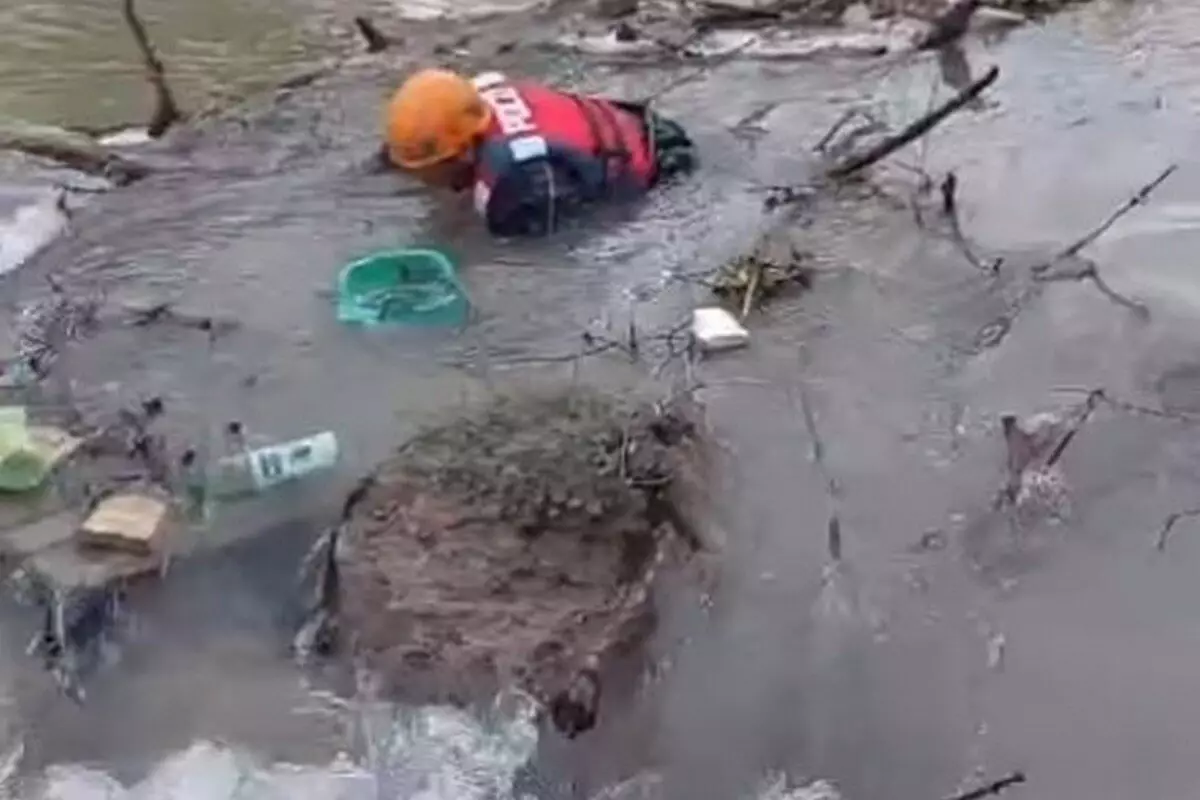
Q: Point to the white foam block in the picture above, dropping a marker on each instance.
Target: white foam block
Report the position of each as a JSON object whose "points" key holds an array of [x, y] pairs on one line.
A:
{"points": [[716, 329]]}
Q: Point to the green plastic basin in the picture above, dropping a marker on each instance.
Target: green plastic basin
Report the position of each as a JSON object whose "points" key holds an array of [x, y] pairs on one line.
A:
{"points": [[407, 287]]}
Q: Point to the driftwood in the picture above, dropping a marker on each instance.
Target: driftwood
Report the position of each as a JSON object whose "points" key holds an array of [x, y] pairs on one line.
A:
{"points": [[166, 110], [885, 147], [69, 148]]}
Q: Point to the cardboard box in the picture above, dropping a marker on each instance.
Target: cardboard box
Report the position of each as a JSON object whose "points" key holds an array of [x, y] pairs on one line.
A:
{"points": [[133, 523]]}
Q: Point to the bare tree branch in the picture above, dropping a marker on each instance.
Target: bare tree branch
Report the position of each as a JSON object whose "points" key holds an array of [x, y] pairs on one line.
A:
{"points": [[915, 130], [1139, 198], [993, 788], [1090, 272], [166, 111]]}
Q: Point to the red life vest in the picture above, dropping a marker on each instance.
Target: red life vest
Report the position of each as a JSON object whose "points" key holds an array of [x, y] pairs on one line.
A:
{"points": [[532, 121]]}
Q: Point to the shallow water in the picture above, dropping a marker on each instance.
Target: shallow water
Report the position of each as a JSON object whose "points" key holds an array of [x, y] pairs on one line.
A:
{"points": [[898, 697]]}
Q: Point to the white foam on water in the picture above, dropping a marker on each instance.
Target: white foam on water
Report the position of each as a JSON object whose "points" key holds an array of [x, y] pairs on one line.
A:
{"points": [[28, 229], [424, 10], [430, 753], [427, 753]]}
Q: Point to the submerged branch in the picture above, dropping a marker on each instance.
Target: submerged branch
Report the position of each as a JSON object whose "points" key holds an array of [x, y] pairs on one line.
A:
{"points": [[1173, 519], [1087, 269], [166, 111], [860, 161], [376, 41], [71, 149], [833, 533], [949, 192], [993, 788], [1139, 198]]}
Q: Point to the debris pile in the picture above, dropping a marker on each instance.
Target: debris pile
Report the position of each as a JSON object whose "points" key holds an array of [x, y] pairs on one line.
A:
{"points": [[90, 513], [515, 546]]}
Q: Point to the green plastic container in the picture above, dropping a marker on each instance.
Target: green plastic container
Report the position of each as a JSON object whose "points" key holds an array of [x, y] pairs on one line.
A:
{"points": [[409, 287]]}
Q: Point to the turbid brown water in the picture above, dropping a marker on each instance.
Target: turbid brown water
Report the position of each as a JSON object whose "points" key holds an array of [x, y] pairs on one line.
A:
{"points": [[1091, 698]]}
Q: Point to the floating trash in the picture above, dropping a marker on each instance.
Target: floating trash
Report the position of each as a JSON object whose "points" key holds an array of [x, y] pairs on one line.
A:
{"points": [[254, 471], [413, 287]]}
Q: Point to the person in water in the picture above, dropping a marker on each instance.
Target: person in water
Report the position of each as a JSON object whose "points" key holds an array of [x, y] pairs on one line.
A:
{"points": [[533, 156]]}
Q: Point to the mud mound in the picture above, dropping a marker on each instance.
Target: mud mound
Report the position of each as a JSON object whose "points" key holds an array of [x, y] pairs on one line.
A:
{"points": [[514, 545]]}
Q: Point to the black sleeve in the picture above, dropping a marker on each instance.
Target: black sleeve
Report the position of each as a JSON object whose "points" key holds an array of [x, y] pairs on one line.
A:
{"points": [[532, 200]]}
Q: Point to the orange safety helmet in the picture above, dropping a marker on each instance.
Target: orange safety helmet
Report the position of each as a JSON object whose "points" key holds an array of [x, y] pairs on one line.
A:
{"points": [[433, 117]]}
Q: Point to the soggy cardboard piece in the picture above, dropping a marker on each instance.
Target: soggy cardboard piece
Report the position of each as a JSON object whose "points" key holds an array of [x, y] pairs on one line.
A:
{"points": [[133, 523]]}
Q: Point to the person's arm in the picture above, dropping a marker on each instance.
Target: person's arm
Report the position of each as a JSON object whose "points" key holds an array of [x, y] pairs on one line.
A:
{"points": [[533, 200]]}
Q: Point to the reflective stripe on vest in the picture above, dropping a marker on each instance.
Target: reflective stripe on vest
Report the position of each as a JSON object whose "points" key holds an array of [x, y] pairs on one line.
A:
{"points": [[513, 116]]}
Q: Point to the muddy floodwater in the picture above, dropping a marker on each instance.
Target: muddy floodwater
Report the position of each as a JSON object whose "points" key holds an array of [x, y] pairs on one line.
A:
{"points": [[911, 671]]}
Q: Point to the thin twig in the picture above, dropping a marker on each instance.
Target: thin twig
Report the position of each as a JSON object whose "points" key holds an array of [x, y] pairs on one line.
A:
{"points": [[1139, 198], [1082, 415], [1169, 524], [1090, 272], [699, 71], [949, 191], [166, 111], [834, 129], [993, 788], [752, 285], [1132, 408], [832, 489], [915, 130]]}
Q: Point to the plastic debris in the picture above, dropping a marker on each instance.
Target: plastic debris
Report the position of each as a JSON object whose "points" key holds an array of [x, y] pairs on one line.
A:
{"points": [[254, 471], [414, 287], [716, 329], [29, 453]]}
